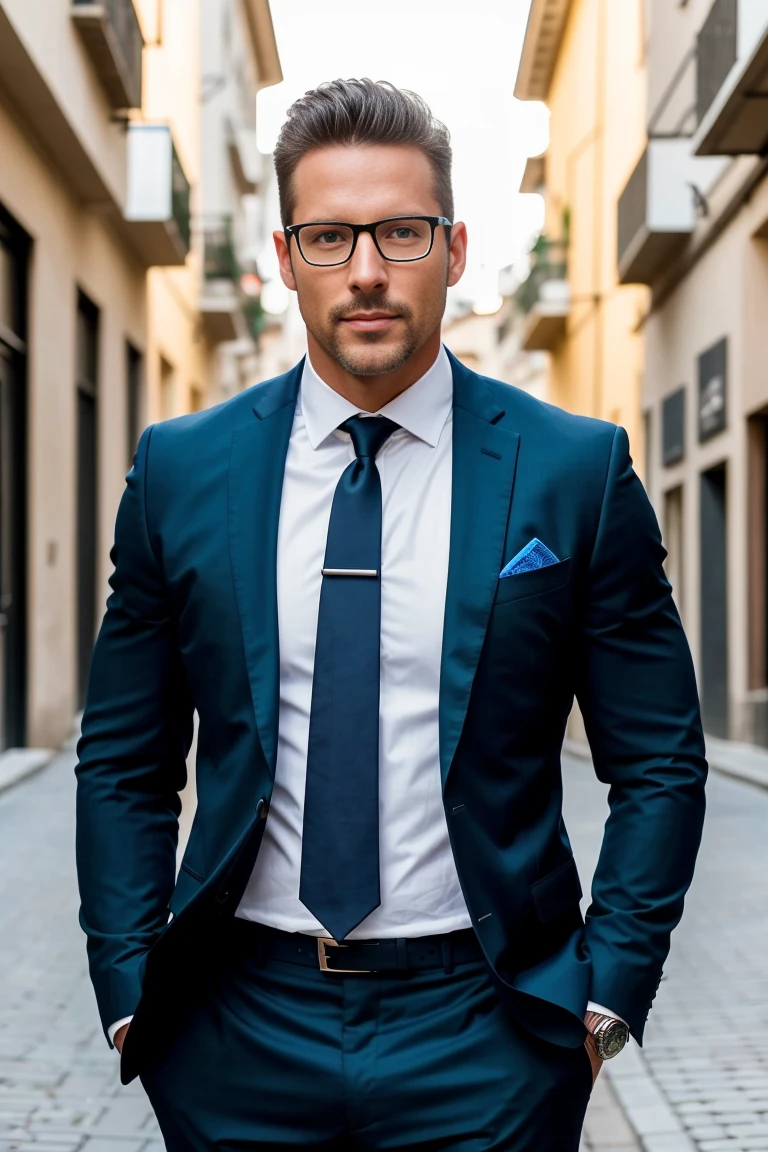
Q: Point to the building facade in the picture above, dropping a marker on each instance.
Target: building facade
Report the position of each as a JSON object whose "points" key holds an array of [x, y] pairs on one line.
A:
{"points": [[238, 57], [693, 228], [101, 328], [586, 60]]}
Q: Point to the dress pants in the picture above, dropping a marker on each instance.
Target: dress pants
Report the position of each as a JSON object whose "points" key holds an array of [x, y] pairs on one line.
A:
{"points": [[278, 1056]]}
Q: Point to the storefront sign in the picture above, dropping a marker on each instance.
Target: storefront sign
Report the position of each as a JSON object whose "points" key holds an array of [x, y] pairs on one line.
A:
{"points": [[712, 390]]}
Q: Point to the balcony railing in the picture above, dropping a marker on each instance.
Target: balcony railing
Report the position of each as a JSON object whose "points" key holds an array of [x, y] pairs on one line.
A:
{"points": [[543, 298], [717, 52], [180, 199], [112, 34], [549, 264], [157, 204], [219, 258], [732, 79], [657, 209], [221, 296], [254, 316]]}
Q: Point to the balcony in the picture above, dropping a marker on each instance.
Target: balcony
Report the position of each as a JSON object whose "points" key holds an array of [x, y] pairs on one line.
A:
{"points": [[112, 35], [732, 79], [157, 201], [534, 176], [544, 298], [657, 209], [254, 317], [221, 300], [246, 160]]}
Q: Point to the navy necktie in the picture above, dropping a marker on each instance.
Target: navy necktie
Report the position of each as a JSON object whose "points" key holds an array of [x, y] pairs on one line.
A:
{"points": [[340, 843]]}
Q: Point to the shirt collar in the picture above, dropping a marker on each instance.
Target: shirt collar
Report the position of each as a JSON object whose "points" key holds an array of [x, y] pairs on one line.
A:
{"points": [[421, 409]]}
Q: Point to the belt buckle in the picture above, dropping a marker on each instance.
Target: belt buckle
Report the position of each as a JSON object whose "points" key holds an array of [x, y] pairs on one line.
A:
{"points": [[322, 957]]}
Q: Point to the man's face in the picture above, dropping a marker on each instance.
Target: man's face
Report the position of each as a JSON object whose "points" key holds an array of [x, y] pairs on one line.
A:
{"points": [[370, 315]]}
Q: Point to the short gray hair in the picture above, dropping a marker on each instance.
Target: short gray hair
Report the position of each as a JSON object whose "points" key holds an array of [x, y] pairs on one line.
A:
{"points": [[359, 112]]}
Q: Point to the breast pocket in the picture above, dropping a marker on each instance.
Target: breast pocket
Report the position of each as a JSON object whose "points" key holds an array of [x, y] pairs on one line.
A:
{"points": [[532, 583]]}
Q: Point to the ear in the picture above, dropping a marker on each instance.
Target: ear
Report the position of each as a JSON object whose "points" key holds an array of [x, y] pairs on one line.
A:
{"points": [[282, 247], [457, 253]]}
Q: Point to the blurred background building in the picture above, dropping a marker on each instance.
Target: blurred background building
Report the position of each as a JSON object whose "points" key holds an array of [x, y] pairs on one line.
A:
{"points": [[586, 60], [693, 226], [137, 282], [130, 192], [649, 289]]}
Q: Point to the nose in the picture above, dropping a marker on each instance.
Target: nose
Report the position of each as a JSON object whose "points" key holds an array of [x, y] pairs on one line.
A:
{"points": [[367, 268]]}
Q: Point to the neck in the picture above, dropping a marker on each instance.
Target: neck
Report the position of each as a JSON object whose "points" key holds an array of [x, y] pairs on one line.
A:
{"points": [[371, 393]]}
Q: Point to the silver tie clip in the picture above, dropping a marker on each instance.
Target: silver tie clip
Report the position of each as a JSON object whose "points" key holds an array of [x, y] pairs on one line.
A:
{"points": [[350, 572]]}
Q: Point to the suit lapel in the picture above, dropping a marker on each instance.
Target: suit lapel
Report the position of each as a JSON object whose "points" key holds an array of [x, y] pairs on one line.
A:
{"points": [[484, 462], [256, 469]]}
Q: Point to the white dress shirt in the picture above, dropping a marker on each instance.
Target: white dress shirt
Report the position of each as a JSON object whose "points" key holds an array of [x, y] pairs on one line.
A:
{"points": [[420, 891]]}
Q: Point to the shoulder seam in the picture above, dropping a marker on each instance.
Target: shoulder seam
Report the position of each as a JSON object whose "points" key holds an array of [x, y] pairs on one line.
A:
{"points": [[602, 499], [150, 430]]}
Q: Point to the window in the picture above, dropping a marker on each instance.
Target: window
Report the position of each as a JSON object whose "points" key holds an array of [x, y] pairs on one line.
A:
{"points": [[673, 428], [86, 386]]}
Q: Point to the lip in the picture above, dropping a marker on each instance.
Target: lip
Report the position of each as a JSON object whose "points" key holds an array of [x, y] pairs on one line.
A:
{"points": [[370, 321]]}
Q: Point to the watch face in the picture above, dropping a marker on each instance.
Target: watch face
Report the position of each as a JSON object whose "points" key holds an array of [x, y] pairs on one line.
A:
{"points": [[610, 1041]]}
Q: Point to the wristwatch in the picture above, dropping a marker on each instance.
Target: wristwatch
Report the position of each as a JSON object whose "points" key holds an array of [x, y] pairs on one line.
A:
{"points": [[609, 1034]]}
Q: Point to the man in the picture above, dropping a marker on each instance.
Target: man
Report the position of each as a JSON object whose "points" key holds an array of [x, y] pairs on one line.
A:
{"points": [[380, 579]]}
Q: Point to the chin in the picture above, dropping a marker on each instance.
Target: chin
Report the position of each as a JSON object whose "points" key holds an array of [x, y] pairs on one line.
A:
{"points": [[371, 358]]}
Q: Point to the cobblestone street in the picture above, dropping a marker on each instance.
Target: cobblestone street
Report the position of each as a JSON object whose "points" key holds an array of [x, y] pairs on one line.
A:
{"points": [[700, 1084]]}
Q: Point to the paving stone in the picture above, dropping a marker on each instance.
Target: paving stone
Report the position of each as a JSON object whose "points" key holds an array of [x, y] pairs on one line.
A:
{"points": [[700, 1084], [706, 1044], [102, 1145]]}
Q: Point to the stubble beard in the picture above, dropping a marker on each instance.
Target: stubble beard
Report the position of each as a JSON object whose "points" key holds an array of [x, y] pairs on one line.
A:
{"points": [[359, 361], [364, 359]]}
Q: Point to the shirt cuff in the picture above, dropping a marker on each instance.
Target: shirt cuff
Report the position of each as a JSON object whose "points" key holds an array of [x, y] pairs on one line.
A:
{"points": [[115, 1028], [592, 1007]]}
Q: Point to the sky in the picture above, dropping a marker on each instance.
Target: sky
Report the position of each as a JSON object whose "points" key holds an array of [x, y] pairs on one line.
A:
{"points": [[462, 57]]}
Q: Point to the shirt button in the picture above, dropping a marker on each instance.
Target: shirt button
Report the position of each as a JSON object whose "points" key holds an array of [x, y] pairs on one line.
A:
{"points": [[262, 808]]}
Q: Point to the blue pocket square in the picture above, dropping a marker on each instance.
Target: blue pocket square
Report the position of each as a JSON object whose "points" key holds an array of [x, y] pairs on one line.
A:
{"points": [[534, 555]]}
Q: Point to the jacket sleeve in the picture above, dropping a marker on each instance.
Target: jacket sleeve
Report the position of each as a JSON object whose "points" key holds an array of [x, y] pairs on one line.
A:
{"points": [[136, 734], [636, 688]]}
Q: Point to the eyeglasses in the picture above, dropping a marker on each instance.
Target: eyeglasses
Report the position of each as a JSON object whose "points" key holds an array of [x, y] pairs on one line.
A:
{"points": [[399, 238]]}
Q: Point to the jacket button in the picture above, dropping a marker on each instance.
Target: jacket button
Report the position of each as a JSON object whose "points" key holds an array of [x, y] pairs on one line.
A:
{"points": [[262, 808]]}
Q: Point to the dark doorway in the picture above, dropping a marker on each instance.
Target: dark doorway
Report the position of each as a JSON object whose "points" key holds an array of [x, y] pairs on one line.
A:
{"points": [[134, 399], [714, 589], [14, 256], [757, 572], [87, 486]]}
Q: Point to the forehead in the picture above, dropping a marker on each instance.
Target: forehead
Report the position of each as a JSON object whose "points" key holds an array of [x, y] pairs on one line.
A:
{"points": [[359, 184]]}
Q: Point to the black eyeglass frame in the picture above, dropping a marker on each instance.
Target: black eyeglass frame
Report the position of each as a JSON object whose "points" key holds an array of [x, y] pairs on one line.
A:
{"points": [[294, 230]]}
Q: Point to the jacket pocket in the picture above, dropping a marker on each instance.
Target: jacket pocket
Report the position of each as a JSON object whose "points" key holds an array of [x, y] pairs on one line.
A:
{"points": [[532, 583], [557, 892]]}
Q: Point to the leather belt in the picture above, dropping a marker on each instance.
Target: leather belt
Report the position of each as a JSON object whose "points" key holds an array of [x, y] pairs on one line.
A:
{"points": [[402, 954]]}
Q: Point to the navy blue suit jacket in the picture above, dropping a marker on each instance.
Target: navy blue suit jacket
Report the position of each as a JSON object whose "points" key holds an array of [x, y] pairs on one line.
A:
{"points": [[191, 623]]}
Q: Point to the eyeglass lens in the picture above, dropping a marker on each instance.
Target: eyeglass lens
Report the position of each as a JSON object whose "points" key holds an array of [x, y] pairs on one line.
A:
{"points": [[403, 239]]}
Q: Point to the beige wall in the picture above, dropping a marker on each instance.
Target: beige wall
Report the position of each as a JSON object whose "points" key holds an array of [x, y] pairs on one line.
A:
{"points": [[172, 93], [49, 36], [72, 248], [726, 294], [79, 245], [597, 132]]}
